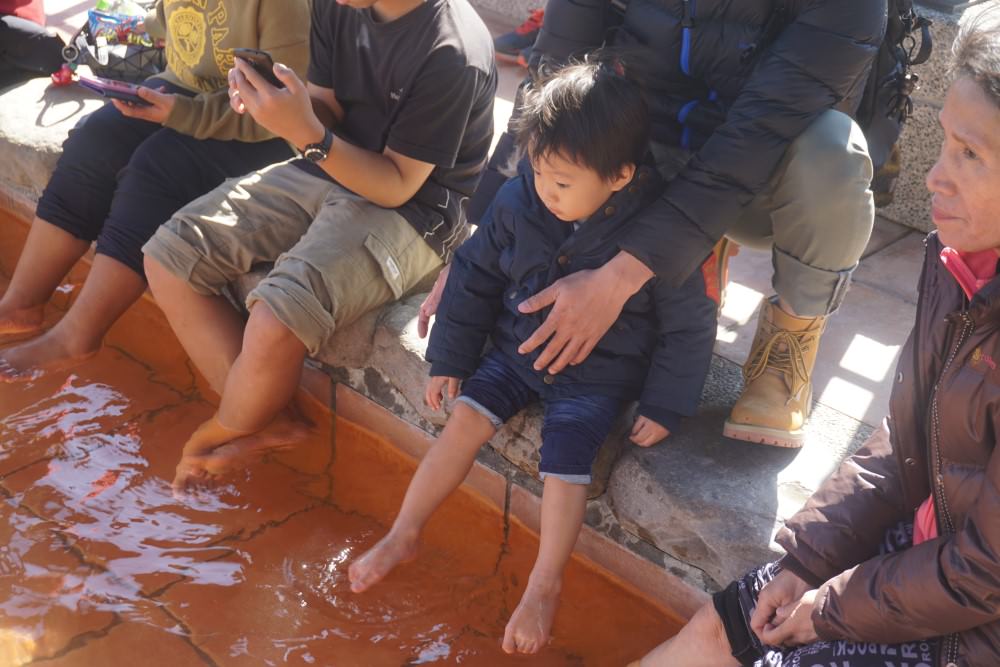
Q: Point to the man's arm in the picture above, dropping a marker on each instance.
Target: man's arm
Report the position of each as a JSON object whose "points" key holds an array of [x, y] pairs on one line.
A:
{"points": [[812, 66], [387, 179]]}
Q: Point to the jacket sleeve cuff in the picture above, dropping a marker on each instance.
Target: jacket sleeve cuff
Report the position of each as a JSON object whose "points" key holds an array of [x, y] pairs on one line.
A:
{"points": [[442, 369], [789, 563], [668, 419]]}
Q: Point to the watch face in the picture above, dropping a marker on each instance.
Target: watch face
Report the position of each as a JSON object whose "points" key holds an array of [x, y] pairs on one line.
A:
{"points": [[314, 154]]}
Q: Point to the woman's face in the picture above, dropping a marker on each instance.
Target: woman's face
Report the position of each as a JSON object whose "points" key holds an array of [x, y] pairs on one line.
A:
{"points": [[965, 181]]}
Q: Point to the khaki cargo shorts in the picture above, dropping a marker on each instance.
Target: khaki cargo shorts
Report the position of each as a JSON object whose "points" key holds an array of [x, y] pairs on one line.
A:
{"points": [[336, 255]]}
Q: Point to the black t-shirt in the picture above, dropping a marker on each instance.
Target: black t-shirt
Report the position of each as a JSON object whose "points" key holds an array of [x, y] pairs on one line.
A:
{"points": [[423, 85]]}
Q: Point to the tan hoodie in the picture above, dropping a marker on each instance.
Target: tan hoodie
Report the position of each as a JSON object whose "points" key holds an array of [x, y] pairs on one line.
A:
{"points": [[200, 38]]}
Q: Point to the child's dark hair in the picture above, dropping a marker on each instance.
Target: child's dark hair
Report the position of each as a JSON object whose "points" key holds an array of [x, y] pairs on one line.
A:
{"points": [[589, 112]]}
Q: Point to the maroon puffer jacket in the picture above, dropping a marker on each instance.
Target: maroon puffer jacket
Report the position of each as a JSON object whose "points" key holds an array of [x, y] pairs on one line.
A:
{"points": [[941, 439]]}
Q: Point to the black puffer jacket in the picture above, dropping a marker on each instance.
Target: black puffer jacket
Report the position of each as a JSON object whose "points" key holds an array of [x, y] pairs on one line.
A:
{"points": [[942, 440], [735, 80], [658, 350]]}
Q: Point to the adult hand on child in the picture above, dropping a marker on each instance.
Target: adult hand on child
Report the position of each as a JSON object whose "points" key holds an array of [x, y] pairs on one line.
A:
{"points": [[647, 433], [792, 624], [787, 588], [435, 387], [584, 306], [162, 104], [431, 303], [286, 112]]}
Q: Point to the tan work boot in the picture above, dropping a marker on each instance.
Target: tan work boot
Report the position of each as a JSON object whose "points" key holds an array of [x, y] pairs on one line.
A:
{"points": [[777, 379]]}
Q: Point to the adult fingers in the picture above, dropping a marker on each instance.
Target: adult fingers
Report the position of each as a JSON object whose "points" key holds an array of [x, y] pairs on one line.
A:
{"points": [[543, 299], [539, 336], [247, 82], [587, 346], [152, 96], [288, 77], [569, 352], [124, 108], [763, 613], [552, 349]]}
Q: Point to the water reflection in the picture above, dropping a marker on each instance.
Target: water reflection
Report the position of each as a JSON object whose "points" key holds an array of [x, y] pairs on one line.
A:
{"points": [[97, 553]]}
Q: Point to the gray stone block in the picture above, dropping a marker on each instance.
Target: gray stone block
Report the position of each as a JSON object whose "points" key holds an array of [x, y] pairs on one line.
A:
{"points": [[920, 145], [35, 118], [717, 503]]}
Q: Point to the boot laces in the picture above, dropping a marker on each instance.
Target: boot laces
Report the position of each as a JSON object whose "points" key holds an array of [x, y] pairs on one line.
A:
{"points": [[532, 23], [783, 351]]}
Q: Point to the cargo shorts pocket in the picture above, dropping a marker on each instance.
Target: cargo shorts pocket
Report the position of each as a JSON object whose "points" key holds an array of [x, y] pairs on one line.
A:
{"points": [[388, 263]]}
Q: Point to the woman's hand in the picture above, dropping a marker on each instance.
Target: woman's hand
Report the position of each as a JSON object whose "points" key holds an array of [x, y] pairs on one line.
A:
{"points": [[286, 112], [792, 624], [435, 390], [584, 306], [162, 104], [647, 433], [786, 588]]}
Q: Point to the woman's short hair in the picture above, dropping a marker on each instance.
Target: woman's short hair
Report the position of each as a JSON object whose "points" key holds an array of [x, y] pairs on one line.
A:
{"points": [[589, 112], [976, 53]]}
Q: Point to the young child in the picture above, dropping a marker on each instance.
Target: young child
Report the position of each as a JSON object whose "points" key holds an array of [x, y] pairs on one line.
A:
{"points": [[584, 131]]}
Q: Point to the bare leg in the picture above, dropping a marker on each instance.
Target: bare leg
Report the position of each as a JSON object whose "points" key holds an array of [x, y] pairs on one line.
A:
{"points": [[260, 384], [47, 256], [563, 506], [700, 643], [110, 289], [208, 327], [441, 471]]}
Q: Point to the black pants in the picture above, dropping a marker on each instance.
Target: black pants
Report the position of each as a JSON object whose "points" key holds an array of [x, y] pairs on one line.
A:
{"points": [[120, 178], [27, 50], [736, 603]]}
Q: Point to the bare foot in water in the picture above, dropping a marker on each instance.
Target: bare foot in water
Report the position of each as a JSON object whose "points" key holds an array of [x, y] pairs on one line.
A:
{"points": [[214, 450], [530, 625], [47, 353], [380, 560]]}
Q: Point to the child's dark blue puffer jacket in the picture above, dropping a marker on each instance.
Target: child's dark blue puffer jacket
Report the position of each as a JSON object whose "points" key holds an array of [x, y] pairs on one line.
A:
{"points": [[659, 349]]}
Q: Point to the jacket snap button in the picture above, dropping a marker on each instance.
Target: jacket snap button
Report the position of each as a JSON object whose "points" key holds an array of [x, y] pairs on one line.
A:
{"points": [[563, 260], [899, 377], [609, 210], [512, 295], [910, 462], [548, 379]]}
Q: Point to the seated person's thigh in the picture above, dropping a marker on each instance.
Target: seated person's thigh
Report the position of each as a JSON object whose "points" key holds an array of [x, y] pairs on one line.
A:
{"points": [[354, 257]]}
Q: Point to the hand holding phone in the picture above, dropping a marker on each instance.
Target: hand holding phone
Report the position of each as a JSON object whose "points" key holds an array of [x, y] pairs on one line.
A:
{"points": [[261, 62], [116, 90]]}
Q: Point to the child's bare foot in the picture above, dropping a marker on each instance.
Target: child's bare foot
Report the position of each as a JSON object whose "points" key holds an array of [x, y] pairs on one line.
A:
{"points": [[377, 562], [49, 352], [529, 626]]}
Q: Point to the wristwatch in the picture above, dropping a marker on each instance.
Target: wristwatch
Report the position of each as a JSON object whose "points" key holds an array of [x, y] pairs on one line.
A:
{"points": [[320, 150]]}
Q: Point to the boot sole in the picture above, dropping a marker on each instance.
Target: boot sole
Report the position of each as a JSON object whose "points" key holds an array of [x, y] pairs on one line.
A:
{"points": [[763, 435]]}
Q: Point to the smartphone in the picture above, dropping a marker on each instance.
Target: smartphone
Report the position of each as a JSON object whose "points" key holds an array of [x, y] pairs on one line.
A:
{"points": [[261, 62], [118, 90]]}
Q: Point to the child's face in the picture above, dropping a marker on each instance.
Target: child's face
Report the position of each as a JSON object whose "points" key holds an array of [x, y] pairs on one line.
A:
{"points": [[573, 192]]}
